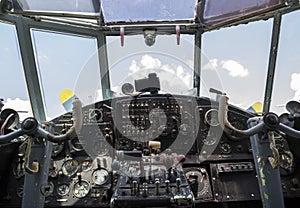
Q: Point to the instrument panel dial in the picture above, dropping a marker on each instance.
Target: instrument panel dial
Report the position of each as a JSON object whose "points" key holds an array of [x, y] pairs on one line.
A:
{"points": [[211, 117], [63, 190], [86, 165], [197, 177], [81, 189], [70, 167], [100, 176]]}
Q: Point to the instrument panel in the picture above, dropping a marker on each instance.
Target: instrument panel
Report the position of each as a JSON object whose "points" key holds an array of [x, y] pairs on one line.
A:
{"points": [[88, 172]]}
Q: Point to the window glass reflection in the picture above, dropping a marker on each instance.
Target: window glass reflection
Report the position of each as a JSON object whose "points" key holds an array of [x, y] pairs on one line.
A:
{"points": [[147, 10], [234, 61], [82, 6], [12, 86], [287, 75], [66, 62], [172, 63]]}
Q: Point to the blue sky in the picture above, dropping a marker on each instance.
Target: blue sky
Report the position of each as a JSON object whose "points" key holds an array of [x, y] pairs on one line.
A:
{"points": [[234, 60]]}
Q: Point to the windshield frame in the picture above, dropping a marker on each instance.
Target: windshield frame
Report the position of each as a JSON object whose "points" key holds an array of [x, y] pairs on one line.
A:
{"points": [[24, 25]]}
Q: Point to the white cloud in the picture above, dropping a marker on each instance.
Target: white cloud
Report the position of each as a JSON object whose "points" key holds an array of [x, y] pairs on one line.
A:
{"points": [[173, 78], [234, 68], [23, 107], [295, 85], [212, 64]]}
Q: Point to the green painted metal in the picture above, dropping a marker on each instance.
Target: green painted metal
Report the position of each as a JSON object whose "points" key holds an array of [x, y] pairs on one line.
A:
{"points": [[272, 62]]}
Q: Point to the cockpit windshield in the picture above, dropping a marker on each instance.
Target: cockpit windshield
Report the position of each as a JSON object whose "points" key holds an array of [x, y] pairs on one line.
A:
{"points": [[100, 62], [143, 103]]}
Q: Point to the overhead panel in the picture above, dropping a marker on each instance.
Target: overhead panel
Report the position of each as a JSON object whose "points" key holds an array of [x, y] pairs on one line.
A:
{"points": [[57, 7], [215, 12], [147, 10]]}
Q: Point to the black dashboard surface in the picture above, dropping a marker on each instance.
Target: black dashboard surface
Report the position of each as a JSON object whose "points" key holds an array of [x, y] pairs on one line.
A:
{"points": [[161, 150]]}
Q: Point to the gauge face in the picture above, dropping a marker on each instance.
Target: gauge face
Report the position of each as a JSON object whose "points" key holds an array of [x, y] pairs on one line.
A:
{"points": [[225, 148], [96, 114], [127, 89], [63, 190], [48, 189], [86, 165], [70, 167], [198, 183], [211, 117], [81, 189], [100, 176]]}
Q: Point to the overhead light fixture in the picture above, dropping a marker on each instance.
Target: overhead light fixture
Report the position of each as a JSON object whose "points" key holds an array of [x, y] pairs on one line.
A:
{"points": [[149, 36]]}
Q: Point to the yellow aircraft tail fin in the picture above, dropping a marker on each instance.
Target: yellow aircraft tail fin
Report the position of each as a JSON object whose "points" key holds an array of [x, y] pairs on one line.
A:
{"points": [[66, 97], [256, 108]]}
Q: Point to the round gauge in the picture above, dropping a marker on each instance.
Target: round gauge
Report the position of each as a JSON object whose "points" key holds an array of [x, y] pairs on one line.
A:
{"points": [[100, 176], [70, 167], [127, 89], [225, 148], [76, 144], [63, 189], [211, 117], [86, 165], [81, 189], [198, 183], [96, 114], [57, 148], [101, 147], [48, 189]]}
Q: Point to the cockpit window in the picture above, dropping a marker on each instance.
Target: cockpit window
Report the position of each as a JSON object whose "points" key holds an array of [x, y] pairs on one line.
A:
{"points": [[235, 61], [287, 76], [66, 62], [172, 63], [12, 86]]}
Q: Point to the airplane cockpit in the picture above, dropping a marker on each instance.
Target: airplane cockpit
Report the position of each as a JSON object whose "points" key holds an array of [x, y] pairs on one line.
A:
{"points": [[135, 103]]}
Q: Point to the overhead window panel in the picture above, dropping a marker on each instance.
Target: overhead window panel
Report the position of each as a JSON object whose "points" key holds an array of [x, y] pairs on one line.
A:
{"points": [[91, 7], [213, 12], [147, 10]]}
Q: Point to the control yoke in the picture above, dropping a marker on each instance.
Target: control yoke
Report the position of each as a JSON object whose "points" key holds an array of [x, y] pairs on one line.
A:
{"points": [[270, 121], [30, 126]]}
